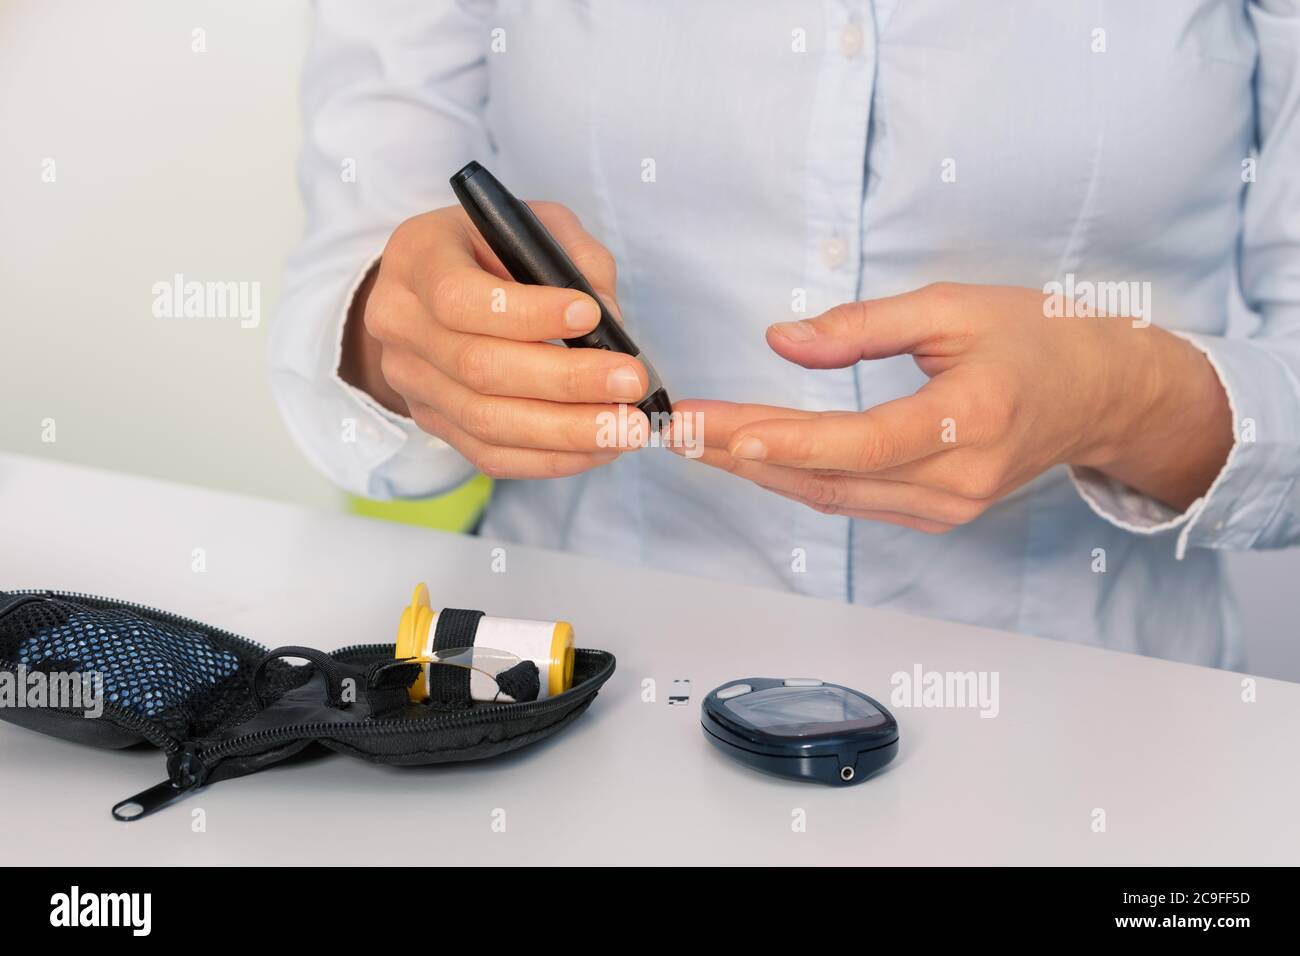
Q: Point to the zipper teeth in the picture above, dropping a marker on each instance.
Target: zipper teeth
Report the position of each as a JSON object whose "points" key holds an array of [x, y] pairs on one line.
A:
{"points": [[133, 721], [128, 719], [356, 648], [168, 615], [171, 745], [123, 717], [480, 715]]}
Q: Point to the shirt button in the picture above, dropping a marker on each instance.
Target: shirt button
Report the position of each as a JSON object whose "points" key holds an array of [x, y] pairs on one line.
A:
{"points": [[834, 252], [851, 40]]}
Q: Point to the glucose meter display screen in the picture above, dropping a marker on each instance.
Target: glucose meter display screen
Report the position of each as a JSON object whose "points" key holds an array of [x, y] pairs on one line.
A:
{"points": [[798, 712]]}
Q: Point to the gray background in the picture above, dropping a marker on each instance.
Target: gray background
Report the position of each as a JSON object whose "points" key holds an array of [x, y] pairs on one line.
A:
{"points": [[174, 161]]}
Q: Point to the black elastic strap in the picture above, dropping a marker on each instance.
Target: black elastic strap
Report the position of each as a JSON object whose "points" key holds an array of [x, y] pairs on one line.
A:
{"points": [[324, 663], [523, 682], [455, 629]]}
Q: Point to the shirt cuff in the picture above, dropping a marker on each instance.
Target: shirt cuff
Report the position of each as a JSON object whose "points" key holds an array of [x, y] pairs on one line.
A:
{"points": [[405, 461], [1243, 507], [348, 436]]}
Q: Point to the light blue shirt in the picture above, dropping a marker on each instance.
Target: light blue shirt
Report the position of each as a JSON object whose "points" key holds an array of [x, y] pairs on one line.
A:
{"points": [[744, 160]]}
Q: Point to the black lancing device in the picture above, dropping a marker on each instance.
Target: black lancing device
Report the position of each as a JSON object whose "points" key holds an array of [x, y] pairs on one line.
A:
{"points": [[532, 256]]}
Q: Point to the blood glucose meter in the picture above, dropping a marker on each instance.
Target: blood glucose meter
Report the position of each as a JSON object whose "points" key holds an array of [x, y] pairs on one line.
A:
{"points": [[798, 727]]}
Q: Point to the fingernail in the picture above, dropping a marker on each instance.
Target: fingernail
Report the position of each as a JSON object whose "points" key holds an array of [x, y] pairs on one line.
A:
{"points": [[581, 315], [605, 457], [750, 448], [795, 331], [624, 384]]}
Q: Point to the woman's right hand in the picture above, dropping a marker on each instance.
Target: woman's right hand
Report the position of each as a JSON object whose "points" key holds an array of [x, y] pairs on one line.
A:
{"points": [[438, 331]]}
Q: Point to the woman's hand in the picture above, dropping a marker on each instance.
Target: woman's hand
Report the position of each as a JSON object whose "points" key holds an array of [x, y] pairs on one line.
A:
{"points": [[440, 332], [1011, 394]]}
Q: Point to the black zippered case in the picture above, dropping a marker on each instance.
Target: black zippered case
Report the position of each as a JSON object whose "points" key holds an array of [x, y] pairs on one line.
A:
{"points": [[219, 705]]}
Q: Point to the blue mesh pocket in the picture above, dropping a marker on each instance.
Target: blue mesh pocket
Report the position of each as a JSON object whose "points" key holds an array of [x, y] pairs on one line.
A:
{"points": [[148, 668]]}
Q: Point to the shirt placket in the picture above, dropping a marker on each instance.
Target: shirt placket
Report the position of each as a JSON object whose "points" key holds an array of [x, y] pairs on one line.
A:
{"points": [[836, 169]]}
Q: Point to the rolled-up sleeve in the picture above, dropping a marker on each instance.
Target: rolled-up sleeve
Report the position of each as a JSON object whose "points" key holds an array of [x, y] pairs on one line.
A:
{"points": [[392, 96], [1254, 502]]}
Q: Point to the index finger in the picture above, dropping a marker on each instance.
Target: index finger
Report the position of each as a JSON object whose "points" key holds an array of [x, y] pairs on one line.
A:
{"points": [[885, 436], [712, 423]]}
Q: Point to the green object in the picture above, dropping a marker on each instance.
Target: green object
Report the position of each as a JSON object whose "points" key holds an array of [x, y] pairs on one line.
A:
{"points": [[457, 510]]}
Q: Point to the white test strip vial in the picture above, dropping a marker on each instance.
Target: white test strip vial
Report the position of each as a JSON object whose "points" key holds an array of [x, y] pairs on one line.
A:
{"points": [[548, 644]]}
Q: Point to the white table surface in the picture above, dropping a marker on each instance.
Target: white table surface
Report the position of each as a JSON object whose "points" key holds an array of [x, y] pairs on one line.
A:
{"points": [[1185, 771]]}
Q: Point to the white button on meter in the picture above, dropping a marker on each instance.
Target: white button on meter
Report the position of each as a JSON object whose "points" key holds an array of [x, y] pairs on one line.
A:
{"points": [[735, 690], [802, 682]]}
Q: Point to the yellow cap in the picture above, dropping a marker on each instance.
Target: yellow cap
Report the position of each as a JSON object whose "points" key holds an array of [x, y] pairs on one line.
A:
{"points": [[412, 633], [561, 669]]}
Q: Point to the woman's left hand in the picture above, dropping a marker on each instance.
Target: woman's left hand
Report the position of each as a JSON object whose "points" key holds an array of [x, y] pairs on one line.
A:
{"points": [[1011, 394]]}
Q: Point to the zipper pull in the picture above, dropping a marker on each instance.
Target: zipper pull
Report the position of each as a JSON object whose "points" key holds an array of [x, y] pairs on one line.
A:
{"points": [[188, 775], [147, 801]]}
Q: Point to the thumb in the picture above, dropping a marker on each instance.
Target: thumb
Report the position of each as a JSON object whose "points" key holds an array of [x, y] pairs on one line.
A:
{"points": [[876, 328]]}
